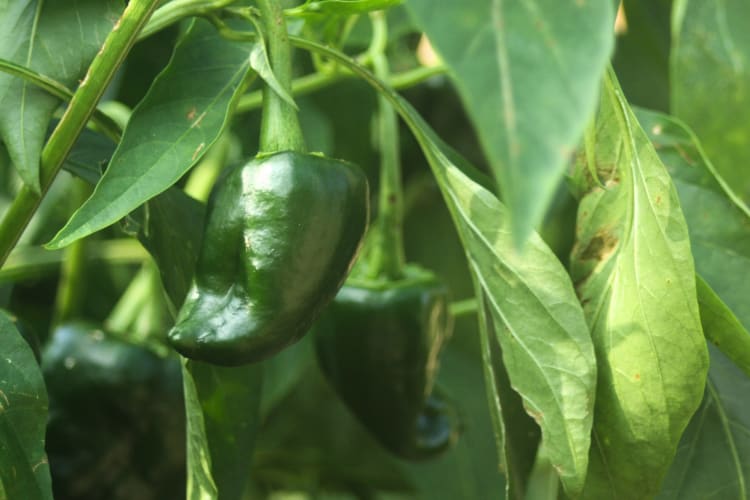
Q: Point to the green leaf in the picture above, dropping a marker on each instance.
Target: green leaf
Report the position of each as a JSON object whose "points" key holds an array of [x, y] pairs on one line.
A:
{"points": [[634, 274], [58, 39], [230, 402], [710, 75], [173, 217], [528, 74], [518, 448], [713, 459], [531, 303], [722, 327], [183, 113], [24, 471]]}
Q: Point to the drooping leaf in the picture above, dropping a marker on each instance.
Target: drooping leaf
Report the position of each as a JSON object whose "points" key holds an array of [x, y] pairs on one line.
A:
{"points": [[528, 74], [531, 303], [58, 39], [24, 470], [634, 274], [183, 113], [710, 78], [713, 459]]}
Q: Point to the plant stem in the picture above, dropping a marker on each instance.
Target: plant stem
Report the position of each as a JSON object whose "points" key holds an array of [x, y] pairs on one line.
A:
{"points": [[81, 107], [57, 89], [316, 81], [178, 9], [72, 285], [279, 127], [388, 251]]}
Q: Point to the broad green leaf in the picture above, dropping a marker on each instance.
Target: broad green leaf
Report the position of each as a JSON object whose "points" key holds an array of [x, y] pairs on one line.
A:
{"points": [[634, 274], [710, 78], [518, 447], [528, 73], [183, 113], [173, 217], [58, 39], [531, 303], [24, 470], [713, 459], [722, 327], [229, 399]]}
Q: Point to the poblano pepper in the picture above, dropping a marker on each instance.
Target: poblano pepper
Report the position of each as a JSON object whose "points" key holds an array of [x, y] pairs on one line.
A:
{"points": [[281, 235], [378, 344], [115, 429], [280, 239]]}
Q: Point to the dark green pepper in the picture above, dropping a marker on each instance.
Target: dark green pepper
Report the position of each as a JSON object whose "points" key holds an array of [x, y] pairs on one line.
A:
{"points": [[115, 427], [378, 344], [281, 236]]}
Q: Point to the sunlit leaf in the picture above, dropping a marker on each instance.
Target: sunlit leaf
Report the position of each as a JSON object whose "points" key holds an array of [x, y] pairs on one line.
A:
{"points": [[634, 274], [183, 113]]}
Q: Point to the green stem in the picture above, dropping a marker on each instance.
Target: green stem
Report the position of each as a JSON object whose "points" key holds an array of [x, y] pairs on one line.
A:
{"points": [[138, 313], [204, 175], [72, 284], [279, 127], [82, 105], [34, 262], [316, 81], [388, 257], [178, 9], [57, 89], [464, 307]]}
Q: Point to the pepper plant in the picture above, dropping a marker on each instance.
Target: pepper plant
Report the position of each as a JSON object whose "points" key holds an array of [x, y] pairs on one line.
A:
{"points": [[374, 249]]}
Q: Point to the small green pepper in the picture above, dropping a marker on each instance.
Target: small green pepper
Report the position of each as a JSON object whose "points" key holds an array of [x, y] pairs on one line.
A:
{"points": [[378, 344], [281, 236], [115, 429]]}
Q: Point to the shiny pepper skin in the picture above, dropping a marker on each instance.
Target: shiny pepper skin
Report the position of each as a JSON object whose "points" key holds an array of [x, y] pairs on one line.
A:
{"points": [[378, 344], [281, 236]]}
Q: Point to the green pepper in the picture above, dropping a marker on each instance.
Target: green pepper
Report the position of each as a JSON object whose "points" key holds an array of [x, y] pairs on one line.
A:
{"points": [[115, 429], [378, 344], [281, 236]]}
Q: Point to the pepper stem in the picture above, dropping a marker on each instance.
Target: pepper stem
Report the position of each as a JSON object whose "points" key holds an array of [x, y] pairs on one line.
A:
{"points": [[279, 127], [388, 257]]}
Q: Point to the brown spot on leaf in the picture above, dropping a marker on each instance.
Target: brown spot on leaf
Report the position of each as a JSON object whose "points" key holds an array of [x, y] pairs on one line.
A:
{"points": [[191, 114], [600, 247], [637, 376]]}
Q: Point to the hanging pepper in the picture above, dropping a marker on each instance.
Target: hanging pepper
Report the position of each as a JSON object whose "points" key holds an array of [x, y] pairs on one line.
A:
{"points": [[282, 234], [113, 431], [378, 345], [378, 342]]}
